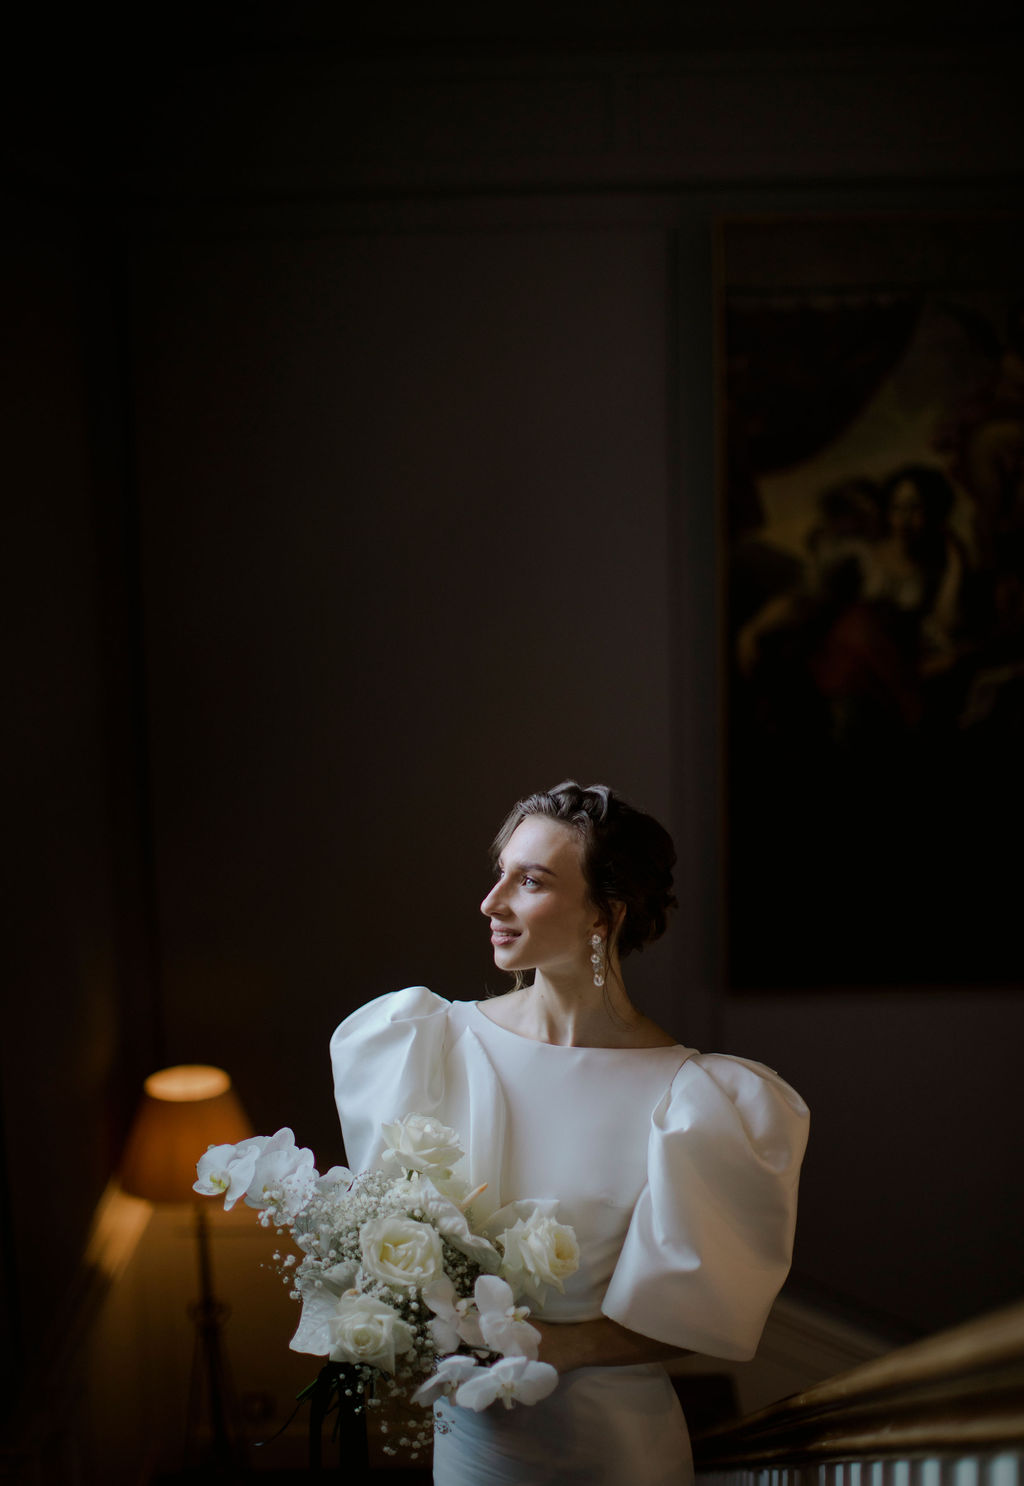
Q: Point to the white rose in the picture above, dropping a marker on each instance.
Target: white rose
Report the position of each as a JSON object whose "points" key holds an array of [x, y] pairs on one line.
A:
{"points": [[366, 1330], [401, 1251], [418, 1143], [539, 1252]]}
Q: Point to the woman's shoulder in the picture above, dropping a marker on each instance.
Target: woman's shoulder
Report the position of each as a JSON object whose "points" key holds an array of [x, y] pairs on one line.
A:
{"points": [[388, 1060], [413, 1003], [411, 1017], [740, 1077], [736, 1096]]}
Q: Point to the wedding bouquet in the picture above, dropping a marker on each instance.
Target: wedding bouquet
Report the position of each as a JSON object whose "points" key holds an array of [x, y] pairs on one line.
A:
{"points": [[394, 1278]]}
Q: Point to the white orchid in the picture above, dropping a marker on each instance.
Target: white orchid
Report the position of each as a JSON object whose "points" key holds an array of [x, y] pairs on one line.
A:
{"points": [[512, 1379], [456, 1318], [491, 1319], [450, 1373], [503, 1324], [334, 1182], [451, 1222], [227, 1170], [283, 1177]]}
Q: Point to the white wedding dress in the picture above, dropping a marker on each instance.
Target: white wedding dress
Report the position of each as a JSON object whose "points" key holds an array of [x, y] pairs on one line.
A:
{"points": [[678, 1172]]}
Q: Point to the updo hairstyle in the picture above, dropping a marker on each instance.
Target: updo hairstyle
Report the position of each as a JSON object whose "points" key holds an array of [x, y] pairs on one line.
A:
{"points": [[627, 857]]}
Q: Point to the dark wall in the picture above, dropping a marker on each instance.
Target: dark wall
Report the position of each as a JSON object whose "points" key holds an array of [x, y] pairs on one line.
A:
{"points": [[80, 1029], [405, 558], [364, 474]]}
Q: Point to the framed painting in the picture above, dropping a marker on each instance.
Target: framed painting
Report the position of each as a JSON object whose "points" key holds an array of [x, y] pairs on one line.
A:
{"points": [[871, 388]]}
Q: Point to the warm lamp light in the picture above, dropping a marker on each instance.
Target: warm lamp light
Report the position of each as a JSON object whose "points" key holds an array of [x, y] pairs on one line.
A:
{"points": [[183, 1110]]}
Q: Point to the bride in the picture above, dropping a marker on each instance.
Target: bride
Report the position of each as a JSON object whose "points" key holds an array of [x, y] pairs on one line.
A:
{"points": [[677, 1170]]}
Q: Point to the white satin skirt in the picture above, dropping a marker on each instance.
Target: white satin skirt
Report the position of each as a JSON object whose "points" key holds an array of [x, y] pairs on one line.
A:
{"points": [[602, 1426]]}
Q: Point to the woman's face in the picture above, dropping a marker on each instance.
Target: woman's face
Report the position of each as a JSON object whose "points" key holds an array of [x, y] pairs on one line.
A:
{"points": [[540, 912], [907, 517]]}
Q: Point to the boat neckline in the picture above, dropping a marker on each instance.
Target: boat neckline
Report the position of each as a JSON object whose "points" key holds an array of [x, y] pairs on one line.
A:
{"points": [[572, 1047]]}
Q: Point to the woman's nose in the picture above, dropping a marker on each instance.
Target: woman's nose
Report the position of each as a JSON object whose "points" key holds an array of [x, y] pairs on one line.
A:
{"points": [[492, 902]]}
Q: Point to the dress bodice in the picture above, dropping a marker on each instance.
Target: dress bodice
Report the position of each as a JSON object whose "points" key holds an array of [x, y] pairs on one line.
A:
{"points": [[677, 1170]]}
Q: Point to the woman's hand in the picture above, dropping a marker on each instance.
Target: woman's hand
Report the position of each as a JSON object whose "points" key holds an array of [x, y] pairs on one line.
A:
{"points": [[601, 1343]]}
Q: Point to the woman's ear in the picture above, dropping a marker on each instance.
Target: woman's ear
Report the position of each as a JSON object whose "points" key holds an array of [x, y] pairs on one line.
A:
{"points": [[618, 915]]}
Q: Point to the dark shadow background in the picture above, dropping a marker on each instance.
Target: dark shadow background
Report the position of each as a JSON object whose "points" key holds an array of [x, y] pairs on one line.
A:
{"points": [[360, 476]]}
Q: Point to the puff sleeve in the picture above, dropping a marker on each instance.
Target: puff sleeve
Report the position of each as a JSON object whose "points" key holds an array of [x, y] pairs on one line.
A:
{"points": [[710, 1241], [387, 1058]]}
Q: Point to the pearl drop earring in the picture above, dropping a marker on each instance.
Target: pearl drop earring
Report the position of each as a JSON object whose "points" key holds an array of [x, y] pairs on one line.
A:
{"points": [[597, 958]]}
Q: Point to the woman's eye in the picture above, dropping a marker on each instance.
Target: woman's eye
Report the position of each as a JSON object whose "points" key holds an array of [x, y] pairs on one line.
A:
{"points": [[530, 882]]}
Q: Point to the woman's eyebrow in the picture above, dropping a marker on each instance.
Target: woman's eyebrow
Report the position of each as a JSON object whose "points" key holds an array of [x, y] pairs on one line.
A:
{"points": [[533, 867]]}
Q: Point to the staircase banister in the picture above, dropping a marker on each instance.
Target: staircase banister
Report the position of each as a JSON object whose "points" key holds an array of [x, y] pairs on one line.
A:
{"points": [[960, 1390]]}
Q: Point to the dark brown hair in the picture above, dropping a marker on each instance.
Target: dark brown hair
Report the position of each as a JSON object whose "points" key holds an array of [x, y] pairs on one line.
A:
{"points": [[627, 857]]}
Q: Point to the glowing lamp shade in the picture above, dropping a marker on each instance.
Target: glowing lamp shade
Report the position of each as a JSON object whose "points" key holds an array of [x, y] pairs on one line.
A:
{"points": [[183, 1110]]}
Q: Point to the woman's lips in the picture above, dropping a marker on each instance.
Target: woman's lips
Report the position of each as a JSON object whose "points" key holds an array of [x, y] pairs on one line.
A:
{"points": [[503, 936]]}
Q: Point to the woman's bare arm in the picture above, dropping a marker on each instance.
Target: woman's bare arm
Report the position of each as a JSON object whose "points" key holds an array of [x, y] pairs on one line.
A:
{"points": [[601, 1343]]}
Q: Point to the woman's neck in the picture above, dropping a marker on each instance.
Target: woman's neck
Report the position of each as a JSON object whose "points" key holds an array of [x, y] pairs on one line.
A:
{"points": [[573, 1012]]}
